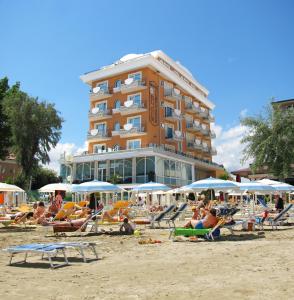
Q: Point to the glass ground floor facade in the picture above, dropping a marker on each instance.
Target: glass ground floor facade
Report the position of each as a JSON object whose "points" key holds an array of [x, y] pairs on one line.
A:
{"points": [[130, 170]]}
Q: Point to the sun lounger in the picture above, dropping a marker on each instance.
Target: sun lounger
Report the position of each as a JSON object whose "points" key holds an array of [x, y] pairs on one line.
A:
{"points": [[180, 210], [207, 233], [232, 226], [48, 250], [160, 217], [274, 222]]}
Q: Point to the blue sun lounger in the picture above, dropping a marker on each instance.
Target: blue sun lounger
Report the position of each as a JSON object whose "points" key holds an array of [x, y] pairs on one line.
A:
{"points": [[280, 217], [160, 217], [51, 250], [180, 210], [48, 250]]}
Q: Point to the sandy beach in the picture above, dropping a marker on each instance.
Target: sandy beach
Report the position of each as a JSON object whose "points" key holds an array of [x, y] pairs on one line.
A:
{"points": [[247, 265]]}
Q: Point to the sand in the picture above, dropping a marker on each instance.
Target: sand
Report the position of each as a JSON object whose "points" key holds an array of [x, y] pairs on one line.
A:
{"points": [[256, 265]]}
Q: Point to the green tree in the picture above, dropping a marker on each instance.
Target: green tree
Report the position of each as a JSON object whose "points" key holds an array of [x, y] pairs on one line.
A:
{"points": [[35, 128], [269, 141], [43, 176], [224, 176], [4, 126]]}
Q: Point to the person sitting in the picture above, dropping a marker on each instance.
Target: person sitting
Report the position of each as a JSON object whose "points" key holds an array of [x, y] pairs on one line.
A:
{"points": [[39, 213], [126, 227], [209, 221]]}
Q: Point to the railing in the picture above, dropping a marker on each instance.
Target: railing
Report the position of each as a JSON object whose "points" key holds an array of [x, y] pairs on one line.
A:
{"points": [[99, 134], [155, 148], [100, 113], [170, 93], [192, 125], [139, 129], [134, 84], [99, 94], [132, 107]]}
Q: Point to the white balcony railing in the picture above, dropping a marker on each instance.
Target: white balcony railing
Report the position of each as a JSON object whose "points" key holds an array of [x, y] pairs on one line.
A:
{"points": [[131, 85], [129, 107], [97, 94], [174, 114], [95, 113], [129, 130], [173, 94], [98, 134]]}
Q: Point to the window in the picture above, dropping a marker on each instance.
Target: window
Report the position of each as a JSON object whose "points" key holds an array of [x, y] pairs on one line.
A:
{"points": [[101, 127], [117, 83], [117, 104], [136, 76], [103, 86], [133, 144], [116, 126], [168, 132], [135, 121], [168, 111], [135, 98], [98, 148], [102, 106]]}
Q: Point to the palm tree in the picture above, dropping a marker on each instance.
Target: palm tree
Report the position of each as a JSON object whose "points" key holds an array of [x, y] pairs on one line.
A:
{"points": [[269, 141]]}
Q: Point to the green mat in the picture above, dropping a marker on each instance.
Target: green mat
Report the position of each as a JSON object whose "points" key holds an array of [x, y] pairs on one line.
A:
{"points": [[190, 231]]}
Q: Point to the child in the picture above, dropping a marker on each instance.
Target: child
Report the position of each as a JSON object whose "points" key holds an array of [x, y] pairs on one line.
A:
{"points": [[126, 227]]}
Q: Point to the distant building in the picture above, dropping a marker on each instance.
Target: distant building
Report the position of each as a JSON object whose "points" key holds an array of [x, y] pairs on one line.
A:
{"points": [[262, 173], [9, 168], [149, 120]]}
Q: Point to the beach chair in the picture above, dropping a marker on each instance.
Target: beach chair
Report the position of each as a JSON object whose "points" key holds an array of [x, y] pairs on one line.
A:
{"points": [[78, 225], [161, 216], [280, 218], [206, 233], [48, 250], [65, 211], [180, 210]]}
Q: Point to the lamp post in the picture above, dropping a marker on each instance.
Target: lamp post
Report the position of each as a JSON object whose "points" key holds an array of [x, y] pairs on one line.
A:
{"points": [[68, 159]]}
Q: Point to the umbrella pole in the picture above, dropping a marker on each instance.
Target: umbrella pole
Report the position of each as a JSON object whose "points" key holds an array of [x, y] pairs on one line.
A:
{"points": [[211, 194]]}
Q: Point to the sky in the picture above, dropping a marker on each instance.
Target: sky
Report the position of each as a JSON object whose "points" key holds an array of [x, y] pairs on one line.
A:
{"points": [[241, 51]]}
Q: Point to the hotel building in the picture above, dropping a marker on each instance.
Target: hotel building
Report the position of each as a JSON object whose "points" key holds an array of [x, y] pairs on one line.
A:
{"points": [[149, 120]]}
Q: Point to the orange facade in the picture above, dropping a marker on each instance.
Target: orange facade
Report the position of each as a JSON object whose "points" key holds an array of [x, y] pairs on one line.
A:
{"points": [[182, 118]]}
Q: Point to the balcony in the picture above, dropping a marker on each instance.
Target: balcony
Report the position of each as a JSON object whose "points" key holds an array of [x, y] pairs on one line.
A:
{"points": [[98, 94], [213, 151], [192, 107], [176, 136], [129, 130], [212, 134], [204, 129], [130, 107], [174, 115], [130, 85], [192, 145], [173, 94], [97, 135], [203, 112], [96, 114], [210, 117], [193, 126]]}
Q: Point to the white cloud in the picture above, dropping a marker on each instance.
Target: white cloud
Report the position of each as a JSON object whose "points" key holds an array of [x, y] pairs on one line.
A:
{"points": [[228, 146], [68, 148], [243, 113]]}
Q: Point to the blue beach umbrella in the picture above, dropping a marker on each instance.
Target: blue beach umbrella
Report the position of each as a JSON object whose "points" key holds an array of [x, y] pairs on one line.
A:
{"points": [[213, 184], [151, 187], [97, 186], [256, 187]]}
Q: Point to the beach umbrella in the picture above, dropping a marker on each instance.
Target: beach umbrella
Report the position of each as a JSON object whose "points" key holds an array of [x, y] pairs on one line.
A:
{"points": [[52, 187], [256, 187], [212, 184], [277, 185], [97, 186], [4, 187], [151, 187]]}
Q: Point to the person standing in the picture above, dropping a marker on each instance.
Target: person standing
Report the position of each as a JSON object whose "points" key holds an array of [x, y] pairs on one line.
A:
{"points": [[58, 200]]}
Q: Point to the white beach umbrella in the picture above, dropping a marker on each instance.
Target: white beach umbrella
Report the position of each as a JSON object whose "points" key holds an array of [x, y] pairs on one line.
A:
{"points": [[4, 187], [52, 187], [278, 186], [256, 187]]}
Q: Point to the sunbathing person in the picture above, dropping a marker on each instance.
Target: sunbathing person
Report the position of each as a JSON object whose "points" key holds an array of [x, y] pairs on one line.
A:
{"points": [[40, 214], [209, 221]]}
